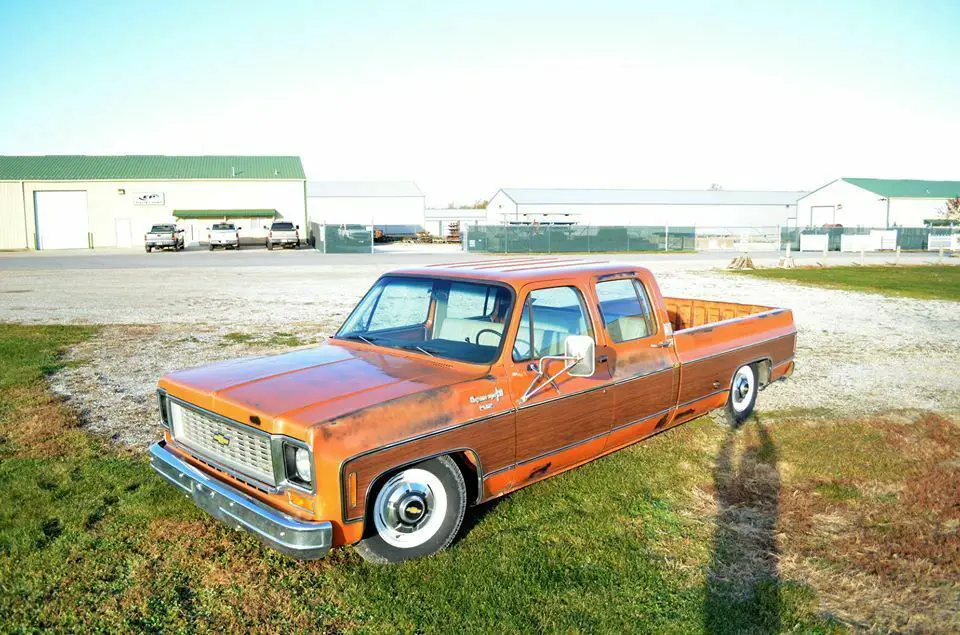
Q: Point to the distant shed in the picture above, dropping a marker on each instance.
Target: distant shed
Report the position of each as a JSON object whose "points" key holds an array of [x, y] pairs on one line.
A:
{"points": [[394, 207], [711, 208], [877, 203]]}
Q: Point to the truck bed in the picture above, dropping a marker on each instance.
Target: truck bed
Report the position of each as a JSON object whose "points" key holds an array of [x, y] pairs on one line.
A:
{"points": [[713, 339], [688, 313]]}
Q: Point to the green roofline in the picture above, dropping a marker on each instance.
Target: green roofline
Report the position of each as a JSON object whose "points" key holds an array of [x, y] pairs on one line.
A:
{"points": [[149, 167], [224, 213], [908, 188]]}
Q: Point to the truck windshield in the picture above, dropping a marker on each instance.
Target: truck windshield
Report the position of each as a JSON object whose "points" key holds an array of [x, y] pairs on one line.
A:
{"points": [[463, 321], [282, 227], [223, 226]]}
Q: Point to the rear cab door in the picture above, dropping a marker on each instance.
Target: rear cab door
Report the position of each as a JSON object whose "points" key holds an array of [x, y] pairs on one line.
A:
{"points": [[640, 348], [567, 421]]}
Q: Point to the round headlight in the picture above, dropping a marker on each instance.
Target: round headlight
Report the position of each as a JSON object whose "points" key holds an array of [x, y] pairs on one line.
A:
{"points": [[302, 460]]}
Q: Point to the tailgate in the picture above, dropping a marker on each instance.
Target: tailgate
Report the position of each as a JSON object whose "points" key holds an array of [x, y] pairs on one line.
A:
{"points": [[711, 354]]}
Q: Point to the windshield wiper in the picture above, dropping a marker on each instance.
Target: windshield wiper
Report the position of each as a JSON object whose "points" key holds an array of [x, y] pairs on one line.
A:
{"points": [[357, 336], [410, 347]]}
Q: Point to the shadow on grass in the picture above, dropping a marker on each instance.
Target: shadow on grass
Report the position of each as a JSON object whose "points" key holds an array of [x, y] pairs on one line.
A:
{"points": [[743, 587], [474, 517]]}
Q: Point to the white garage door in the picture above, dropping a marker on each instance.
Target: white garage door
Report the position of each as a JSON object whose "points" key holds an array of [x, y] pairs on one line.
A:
{"points": [[62, 221], [821, 215]]}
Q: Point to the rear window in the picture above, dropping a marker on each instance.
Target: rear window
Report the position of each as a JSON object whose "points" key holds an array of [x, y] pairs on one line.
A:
{"points": [[217, 226], [282, 227], [163, 228]]}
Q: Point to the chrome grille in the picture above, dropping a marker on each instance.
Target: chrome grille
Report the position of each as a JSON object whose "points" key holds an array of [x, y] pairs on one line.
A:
{"points": [[232, 445]]}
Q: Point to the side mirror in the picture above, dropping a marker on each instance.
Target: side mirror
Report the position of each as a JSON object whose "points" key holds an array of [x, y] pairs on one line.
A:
{"points": [[239, 228], [298, 226], [581, 347]]}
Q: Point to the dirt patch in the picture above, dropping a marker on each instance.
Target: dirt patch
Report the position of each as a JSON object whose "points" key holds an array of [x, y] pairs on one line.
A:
{"points": [[857, 353], [111, 380]]}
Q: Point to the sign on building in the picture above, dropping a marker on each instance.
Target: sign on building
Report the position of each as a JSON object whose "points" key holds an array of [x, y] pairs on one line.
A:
{"points": [[148, 198]]}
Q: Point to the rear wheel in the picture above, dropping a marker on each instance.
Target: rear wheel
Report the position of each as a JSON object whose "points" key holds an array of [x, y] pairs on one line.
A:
{"points": [[417, 512], [149, 249], [269, 245], [743, 394], [211, 246]]}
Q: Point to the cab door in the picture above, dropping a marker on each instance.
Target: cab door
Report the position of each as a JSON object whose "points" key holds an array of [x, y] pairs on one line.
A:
{"points": [[567, 420], [644, 364]]}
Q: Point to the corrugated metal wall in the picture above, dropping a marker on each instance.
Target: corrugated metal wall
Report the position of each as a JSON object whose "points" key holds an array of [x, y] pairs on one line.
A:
{"points": [[13, 233]]}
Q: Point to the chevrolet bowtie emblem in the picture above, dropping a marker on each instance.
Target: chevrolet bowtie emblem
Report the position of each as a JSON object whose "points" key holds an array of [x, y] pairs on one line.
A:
{"points": [[221, 438]]}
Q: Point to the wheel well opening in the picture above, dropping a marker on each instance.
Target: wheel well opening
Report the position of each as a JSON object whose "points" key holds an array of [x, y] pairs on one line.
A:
{"points": [[466, 461], [763, 369]]}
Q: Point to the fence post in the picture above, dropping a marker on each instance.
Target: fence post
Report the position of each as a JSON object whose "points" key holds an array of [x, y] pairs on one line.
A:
{"points": [[898, 254], [666, 237]]}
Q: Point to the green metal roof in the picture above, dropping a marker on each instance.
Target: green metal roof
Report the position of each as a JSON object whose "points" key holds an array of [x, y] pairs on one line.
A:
{"points": [[224, 213], [907, 188], [147, 167]]}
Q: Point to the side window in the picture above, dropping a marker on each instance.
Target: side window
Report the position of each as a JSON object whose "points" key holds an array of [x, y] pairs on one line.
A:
{"points": [[549, 316], [625, 309]]}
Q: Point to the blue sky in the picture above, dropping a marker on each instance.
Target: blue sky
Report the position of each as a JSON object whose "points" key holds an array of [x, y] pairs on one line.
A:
{"points": [[468, 98]]}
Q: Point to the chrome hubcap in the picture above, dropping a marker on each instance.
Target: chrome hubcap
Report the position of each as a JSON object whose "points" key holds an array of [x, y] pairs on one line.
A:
{"points": [[743, 383], [409, 508]]}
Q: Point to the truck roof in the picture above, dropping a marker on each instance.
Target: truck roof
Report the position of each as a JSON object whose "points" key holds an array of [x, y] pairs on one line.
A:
{"points": [[521, 270]]}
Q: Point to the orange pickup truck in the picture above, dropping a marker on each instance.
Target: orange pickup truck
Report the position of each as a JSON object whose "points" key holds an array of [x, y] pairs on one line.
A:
{"points": [[451, 385]]}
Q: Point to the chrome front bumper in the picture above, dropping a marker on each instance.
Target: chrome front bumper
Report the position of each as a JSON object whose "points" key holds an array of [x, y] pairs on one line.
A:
{"points": [[297, 538]]}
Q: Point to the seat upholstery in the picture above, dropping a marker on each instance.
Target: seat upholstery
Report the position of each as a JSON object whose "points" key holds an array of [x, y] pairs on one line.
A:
{"points": [[466, 330], [628, 327]]}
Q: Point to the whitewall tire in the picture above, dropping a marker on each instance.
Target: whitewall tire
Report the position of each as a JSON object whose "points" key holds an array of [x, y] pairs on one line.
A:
{"points": [[743, 394], [416, 511]]}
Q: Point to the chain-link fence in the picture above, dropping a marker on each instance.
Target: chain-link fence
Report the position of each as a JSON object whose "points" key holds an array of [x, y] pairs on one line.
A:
{"points": [[342, 239], [554, 239]]}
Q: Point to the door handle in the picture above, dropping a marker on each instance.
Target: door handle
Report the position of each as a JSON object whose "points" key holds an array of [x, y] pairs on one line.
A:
{"points": [[664, 344], [602, 359]]}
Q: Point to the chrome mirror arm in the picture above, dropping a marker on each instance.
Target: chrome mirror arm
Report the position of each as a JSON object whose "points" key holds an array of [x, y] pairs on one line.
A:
{"points": [[532, 390]]}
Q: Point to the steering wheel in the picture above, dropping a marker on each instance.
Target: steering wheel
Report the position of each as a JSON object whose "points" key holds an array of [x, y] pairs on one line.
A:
{"points": [[517, 353], [482, 331]]}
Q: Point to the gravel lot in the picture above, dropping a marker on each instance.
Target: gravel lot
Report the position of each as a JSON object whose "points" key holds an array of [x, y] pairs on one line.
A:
{"points": [[857, 353]]}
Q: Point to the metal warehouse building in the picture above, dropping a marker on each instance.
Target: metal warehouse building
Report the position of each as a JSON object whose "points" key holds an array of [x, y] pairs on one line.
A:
{"points": [[62, 202], [396, 208], [877, 203], [728, 208]]}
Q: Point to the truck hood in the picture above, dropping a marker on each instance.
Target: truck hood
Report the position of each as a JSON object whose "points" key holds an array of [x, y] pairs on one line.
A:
{"points": [[304, 388]]}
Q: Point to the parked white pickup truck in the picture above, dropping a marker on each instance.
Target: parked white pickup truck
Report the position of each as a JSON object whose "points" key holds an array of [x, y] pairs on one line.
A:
{"points": [[226, 235], [283, 234], [163, 237]]}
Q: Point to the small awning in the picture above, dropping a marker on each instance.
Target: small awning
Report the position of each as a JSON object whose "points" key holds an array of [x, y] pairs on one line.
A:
{"points": [[224, 213]]}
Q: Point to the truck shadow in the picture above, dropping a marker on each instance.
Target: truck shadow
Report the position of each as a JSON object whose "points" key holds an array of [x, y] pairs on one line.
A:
{"points": [[742, 585]]}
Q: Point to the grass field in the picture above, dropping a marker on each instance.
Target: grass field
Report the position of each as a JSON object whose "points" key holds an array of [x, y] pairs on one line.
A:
{"points": [[940, 282], [795, 522]]}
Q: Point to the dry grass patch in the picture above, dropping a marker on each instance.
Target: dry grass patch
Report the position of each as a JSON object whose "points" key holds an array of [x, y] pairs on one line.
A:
{"points": [[868, 514]]}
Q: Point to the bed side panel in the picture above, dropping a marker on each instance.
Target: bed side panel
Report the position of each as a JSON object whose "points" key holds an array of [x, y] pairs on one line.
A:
{"points": [[710, 355]]}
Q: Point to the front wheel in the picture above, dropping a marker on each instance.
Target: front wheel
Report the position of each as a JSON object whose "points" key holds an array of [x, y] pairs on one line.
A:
{"points": [[417, 512], [743, 394]]}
